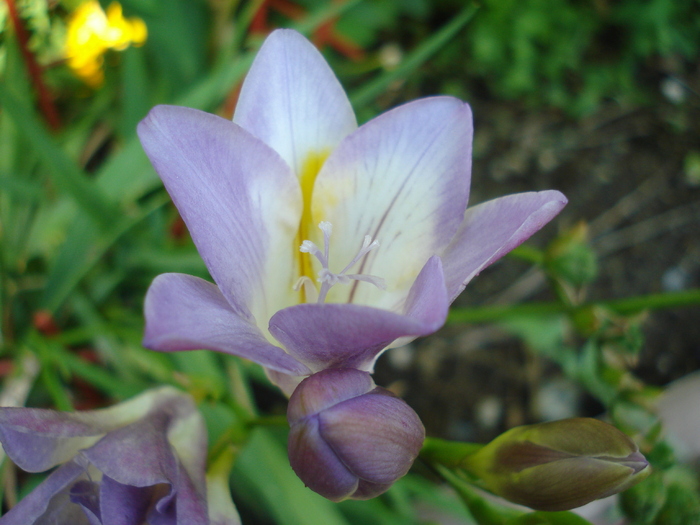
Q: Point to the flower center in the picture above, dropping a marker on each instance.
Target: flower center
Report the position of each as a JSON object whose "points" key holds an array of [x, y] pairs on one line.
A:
{"points": [[325, 276]]}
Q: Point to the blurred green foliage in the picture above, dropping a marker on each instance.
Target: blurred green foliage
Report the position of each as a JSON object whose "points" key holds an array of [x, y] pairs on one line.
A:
{"points": [[575, 54]]}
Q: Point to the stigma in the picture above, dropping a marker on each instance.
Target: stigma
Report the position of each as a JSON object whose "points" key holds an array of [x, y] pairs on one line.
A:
{"points": [[326, 277]]}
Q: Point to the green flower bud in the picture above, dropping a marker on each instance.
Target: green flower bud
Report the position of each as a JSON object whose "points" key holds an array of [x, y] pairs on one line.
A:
{"points": [[559, 465]]}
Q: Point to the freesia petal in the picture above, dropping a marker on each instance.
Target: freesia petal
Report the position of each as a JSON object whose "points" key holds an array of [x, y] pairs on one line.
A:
{"points": [[377, 435], [86, 493], [351, 336], [492, 229], [38, 439], [239, 199], [314, 460], [138, 455], [123, 504], [402, 178], [317, 396], [51, 499], [292, 101], [191, 503], [187, 313]]}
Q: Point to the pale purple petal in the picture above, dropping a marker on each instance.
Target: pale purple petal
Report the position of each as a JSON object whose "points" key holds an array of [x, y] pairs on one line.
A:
{"points": [[292, 101], [191, 503], [492, 229], [368, 490], [188, 313], [347, 335], [50, 499], [377, 435], [318, 396], [403, 179], [315, 462], [123, 504], [239, 199], [341, 335], [138, 454], [37, 439], [86, 493]]}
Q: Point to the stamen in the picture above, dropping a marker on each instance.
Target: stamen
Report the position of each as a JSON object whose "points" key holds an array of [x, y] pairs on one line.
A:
{"points": [[310, 290], [327, 278]]}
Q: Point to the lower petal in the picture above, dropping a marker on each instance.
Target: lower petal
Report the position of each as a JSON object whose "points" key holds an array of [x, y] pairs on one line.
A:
{"points": [[187, 313], [317, 464], [51, 499], [352, 336]]}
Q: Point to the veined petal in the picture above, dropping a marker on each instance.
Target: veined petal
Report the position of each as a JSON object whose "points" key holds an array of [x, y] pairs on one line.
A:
{"points": [[313, 459], [138, 455], [187, 313], [403, 179], [352, 336], [373, 455], [123, 504], [51, 497], [292, 101], [492, 229], [239, 199], [38, 439]]}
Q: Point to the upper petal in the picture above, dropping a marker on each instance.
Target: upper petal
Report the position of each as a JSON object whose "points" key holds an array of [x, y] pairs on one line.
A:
{"points": [[292, 101], [492, 229], [187, 313], [402, 178], [352, 336], [239, 199]]}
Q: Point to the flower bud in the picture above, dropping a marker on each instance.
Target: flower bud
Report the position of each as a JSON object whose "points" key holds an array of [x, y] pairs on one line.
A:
{"points": [[350, 438], [559, 465]]}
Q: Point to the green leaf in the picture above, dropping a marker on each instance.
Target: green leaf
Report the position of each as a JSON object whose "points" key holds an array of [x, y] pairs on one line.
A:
{"points": [[414, 59], [83, 247], [263, 468], [549, 518], [65, 174]]}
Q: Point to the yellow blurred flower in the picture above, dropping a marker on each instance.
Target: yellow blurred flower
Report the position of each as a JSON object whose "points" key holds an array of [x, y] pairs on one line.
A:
{"points": [[91, 32]]}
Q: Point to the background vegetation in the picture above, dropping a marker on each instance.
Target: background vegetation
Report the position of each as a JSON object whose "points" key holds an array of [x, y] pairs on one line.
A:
{"points": [[596, 98]]}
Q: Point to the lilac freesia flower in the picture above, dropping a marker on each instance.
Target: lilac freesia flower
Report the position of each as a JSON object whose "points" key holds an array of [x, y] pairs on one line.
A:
{"points": [[328, 243], [142, 461]]}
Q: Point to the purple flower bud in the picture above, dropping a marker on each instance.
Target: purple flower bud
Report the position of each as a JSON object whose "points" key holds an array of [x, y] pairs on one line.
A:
{"points": [[350, 438], [559, 465]]}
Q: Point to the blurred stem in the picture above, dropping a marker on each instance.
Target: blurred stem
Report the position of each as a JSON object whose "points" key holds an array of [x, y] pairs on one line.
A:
{"points": [[414, 59], [626, 306], [269, 421], [447, 453], [50, 379], [483, 511], [45, 101]]}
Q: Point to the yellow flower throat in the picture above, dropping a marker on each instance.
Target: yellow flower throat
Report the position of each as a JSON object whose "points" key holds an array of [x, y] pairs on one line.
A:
{"points": [[309, 170]]}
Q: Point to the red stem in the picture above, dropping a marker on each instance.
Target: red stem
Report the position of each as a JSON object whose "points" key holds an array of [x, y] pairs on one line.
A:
{"points": [[45, 101]]}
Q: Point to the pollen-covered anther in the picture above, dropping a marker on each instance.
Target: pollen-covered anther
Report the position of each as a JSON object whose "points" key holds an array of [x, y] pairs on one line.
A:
{"points": [[326, 277]]}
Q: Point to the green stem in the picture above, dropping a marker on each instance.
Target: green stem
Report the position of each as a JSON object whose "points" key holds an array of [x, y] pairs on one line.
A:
{"points": [[447, 453], [269, 421], [483, 511], [625, 306], [413, 60]]}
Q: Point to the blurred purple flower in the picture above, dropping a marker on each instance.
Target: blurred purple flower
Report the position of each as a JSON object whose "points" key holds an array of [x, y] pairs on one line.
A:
{"points": [[350, 438], [379, 213], [142, 461]]}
